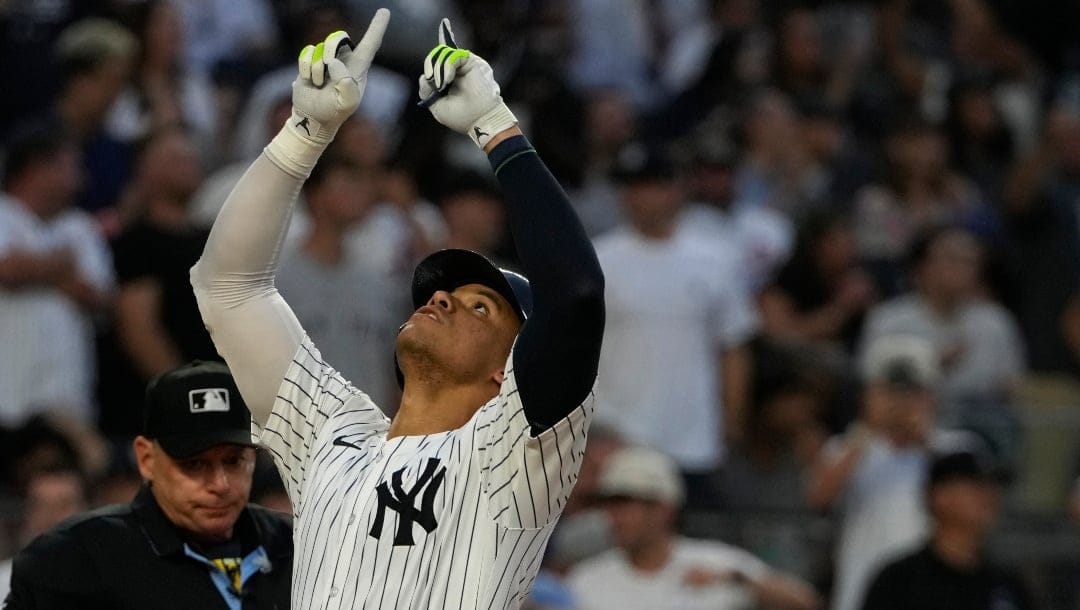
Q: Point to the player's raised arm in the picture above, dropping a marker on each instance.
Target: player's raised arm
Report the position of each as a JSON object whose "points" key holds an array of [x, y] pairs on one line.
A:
{"points": [[252, 327], [557, 351]]}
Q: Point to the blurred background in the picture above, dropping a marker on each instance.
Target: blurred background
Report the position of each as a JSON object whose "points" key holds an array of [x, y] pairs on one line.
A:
{"points": [[863, 174]]}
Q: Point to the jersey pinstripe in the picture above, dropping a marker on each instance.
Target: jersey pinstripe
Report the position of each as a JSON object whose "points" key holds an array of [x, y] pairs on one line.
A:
{"points": [[457, 519]]}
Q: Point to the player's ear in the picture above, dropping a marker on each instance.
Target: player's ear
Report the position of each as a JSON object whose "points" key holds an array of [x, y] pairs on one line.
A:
{"points": [[499, 376]]}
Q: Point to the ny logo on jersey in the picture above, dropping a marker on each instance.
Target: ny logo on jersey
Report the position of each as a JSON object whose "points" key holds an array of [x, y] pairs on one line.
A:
{"points": [[402, 502]]}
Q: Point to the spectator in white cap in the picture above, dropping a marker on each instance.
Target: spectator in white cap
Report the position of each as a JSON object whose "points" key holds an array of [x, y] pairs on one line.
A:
{"points": [[654, 567], [874, 473]]}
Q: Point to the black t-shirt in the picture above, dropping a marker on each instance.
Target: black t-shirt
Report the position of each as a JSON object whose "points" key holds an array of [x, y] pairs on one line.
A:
{"points": [[166, 256], [922, 580], [144, 251]]}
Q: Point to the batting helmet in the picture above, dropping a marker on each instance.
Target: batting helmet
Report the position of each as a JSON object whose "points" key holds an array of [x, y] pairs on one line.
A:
{"points": [[451, 268], [448, 269]]}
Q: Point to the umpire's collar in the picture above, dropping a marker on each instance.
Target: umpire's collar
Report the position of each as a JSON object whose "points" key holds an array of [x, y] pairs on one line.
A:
{"points": [[165, 538]]}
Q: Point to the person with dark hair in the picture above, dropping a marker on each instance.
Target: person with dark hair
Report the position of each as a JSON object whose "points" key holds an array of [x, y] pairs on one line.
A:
{"points": [[679, 303], [784, 433], [953, 570], [157, 324], [980, 139], [189, 539], [474, 213], [452, 502], [51, 496], [821, 294], [163, 92], [95, 58], [55, 275], [979, 343], [921, 189], [36, 446]]}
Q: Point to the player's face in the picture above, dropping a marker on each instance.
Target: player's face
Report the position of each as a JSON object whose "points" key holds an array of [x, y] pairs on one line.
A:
{"points": [[464, 335], [202, 494]]}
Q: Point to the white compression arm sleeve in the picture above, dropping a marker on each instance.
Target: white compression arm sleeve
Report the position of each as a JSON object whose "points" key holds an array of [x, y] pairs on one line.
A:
{"points": [[251, 325]]}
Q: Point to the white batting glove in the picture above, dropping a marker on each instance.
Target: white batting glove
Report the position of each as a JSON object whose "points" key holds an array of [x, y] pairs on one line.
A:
{"points": [[471, 102], [326, 92]]}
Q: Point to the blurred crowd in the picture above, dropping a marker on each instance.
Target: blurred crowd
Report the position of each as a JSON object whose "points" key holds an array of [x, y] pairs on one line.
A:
{"points": [[836, 234]]}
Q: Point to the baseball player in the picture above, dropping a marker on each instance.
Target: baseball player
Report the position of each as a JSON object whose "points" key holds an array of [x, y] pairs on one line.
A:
{"points": [[451, 504]]}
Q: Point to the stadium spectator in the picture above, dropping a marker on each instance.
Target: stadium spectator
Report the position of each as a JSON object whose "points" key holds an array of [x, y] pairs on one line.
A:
{"points": [[402, 227], [979, 343], [51, 497], [164, 93], [610, 124], [350, 309], [95, 58], [473, 209], [822, 293], [874, 473], [953, 571], [55, 276], [217, 31], [675, 303], [762, 236], [1042, 221], [784, 434], [157, 324], [653, 567], [921, 190]]}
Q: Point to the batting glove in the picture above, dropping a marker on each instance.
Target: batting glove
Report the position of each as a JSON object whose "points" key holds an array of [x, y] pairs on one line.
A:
{"points": [[325, 94], [470, 100]]}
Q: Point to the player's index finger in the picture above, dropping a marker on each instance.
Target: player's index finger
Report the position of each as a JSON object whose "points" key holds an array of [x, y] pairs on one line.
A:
{"points": [[446, 33], [372, 39]]}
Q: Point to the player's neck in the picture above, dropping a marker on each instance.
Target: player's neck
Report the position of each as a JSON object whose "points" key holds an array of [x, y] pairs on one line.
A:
{"points": [[426, 409]]}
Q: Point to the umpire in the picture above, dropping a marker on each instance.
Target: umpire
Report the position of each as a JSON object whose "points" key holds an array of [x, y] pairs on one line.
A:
{"points": [[189, 539]]}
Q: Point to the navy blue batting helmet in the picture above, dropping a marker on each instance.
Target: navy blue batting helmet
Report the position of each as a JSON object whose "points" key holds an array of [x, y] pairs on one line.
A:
{"points": [[451, 268]]}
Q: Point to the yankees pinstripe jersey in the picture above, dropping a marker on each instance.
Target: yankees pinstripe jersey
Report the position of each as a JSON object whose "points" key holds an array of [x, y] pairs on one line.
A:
{"points": [[457, 519]]}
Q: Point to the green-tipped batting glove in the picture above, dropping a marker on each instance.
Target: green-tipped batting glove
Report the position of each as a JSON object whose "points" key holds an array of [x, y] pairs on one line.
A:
{"points": [[472, 103], [326, 92]]}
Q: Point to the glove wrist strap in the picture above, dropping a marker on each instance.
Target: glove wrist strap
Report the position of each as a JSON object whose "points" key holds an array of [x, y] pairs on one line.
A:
{"points": [[299, 144], [494, 121]]}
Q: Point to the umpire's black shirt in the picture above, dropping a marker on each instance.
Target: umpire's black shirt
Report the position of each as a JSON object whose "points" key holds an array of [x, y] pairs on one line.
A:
{"points": [[133, 557]]}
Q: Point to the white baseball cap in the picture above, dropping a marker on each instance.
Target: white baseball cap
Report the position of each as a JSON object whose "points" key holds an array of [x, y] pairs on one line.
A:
{"points": [[902, 360], [642, 473]]}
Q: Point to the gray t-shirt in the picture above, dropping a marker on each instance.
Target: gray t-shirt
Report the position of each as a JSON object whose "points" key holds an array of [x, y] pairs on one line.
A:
{"points": [[981, 348], [352, 315]]}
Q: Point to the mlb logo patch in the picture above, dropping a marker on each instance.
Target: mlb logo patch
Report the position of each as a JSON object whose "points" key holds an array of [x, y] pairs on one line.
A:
{"points": [[209, 400]]}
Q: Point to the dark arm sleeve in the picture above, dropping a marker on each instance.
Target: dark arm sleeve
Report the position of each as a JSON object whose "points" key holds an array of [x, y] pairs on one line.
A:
{"points": [[53, 573], [558, 350]]}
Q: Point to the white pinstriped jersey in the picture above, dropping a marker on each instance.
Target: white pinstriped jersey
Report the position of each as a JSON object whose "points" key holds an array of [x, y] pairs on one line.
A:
{"points": [[457, 519]]}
